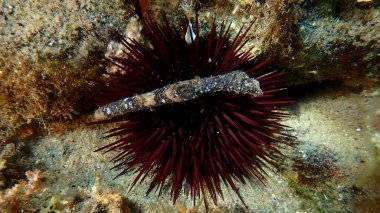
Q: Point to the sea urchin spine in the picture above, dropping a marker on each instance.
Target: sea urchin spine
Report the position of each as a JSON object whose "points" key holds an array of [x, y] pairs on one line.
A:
{"points": [[195, 145]]}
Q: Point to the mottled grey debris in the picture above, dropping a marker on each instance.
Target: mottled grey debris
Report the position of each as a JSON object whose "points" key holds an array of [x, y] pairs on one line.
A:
{"points": [[236, 82]]}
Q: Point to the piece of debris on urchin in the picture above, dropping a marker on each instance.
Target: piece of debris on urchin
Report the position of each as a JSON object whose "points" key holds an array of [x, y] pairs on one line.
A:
{"points": [[193, 112], [237, 82]]}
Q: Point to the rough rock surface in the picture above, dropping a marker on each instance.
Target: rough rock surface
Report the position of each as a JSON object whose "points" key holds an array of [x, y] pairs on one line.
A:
{"points": [[47, 50]]}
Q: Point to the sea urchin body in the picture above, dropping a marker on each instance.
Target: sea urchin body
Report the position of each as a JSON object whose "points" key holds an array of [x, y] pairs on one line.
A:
{"points": [[196, 145]]}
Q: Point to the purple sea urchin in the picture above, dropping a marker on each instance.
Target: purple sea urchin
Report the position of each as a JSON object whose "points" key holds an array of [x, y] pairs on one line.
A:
{"points": [[196, 144]]}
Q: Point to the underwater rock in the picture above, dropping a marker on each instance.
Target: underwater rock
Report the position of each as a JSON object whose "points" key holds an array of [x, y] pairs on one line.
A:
{"points": [[336, 40], [48, 49]]}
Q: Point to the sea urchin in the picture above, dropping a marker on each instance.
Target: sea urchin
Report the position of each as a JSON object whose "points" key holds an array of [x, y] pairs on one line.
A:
{"points": [[219, 137]]}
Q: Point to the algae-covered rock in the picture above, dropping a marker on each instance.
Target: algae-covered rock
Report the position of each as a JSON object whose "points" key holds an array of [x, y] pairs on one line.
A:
{"points": [[48, 49], [336, 39]]}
